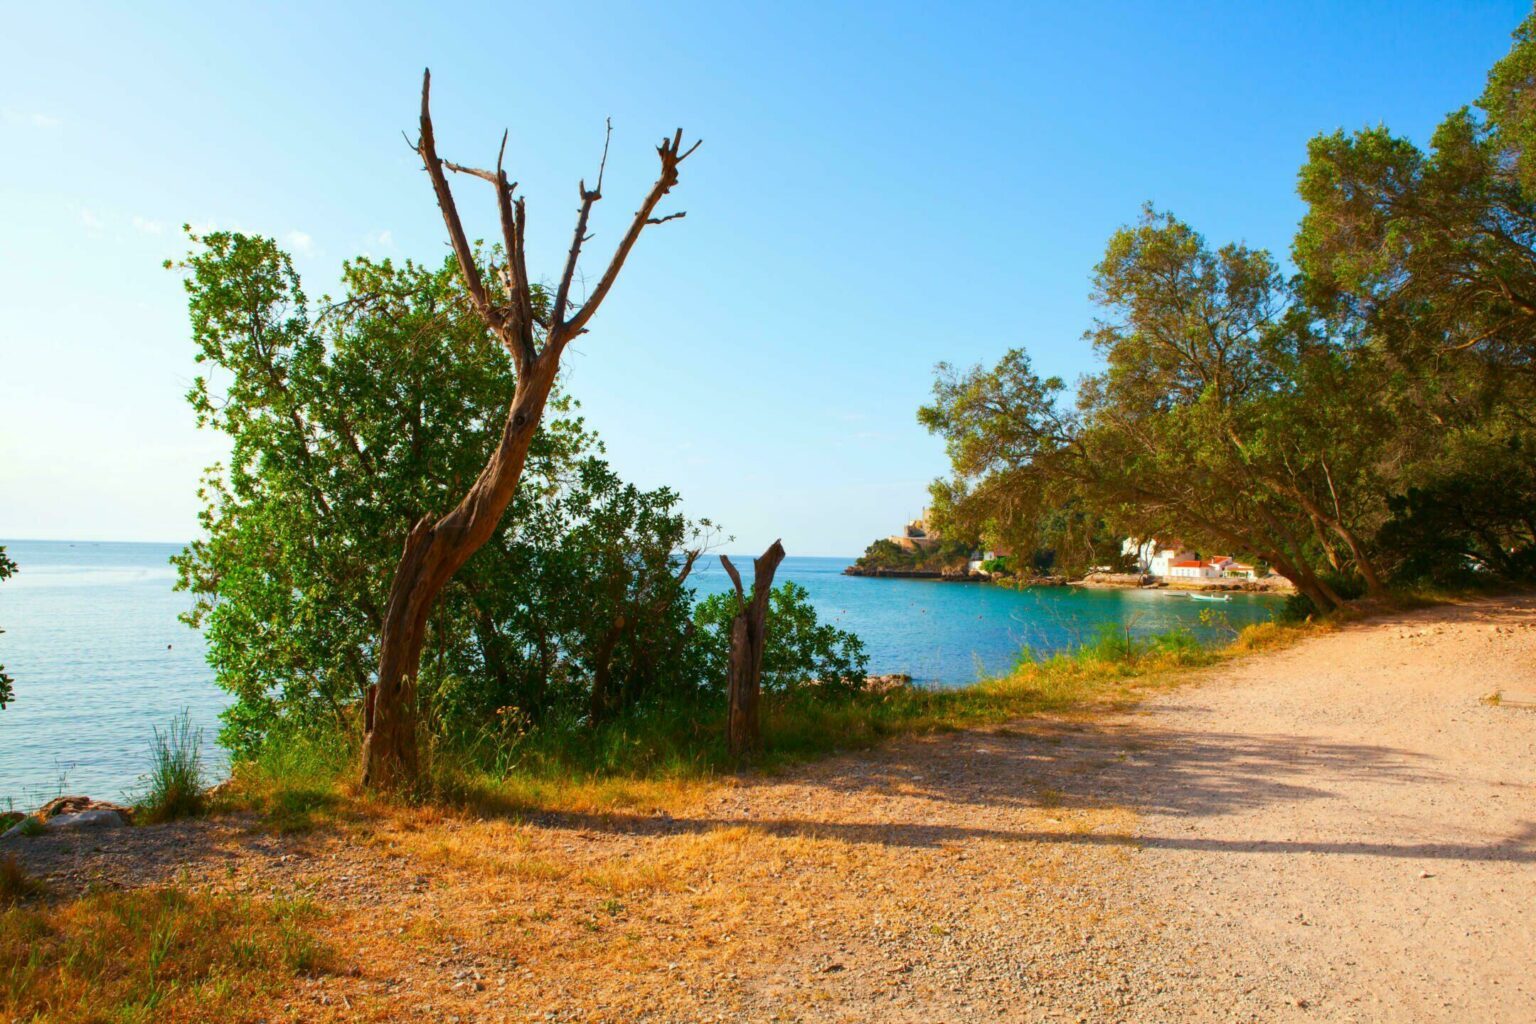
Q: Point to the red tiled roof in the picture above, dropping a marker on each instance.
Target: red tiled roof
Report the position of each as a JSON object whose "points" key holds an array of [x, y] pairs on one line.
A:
{"points": [[1187, 565]]}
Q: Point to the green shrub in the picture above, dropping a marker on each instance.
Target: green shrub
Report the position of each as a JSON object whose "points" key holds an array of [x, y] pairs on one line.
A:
{"points": [[799, 648]]}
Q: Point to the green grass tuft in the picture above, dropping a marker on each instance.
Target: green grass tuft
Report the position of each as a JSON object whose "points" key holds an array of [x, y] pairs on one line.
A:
{"points": [[175, 782]]}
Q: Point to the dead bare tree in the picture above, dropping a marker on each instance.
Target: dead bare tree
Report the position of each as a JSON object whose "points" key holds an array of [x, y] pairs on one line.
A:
{"points": [[749, 635], [438, 546]]}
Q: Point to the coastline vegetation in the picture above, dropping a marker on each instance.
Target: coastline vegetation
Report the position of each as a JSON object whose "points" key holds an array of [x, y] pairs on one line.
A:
{"points": [[1361, 426], [945, 556], [662, 757]]}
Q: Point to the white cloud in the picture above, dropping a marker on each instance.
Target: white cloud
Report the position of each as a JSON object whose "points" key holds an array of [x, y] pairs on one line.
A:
{"points": [[90, 220], [300, 242], [385, 238], [35, 118], [147, 226]]}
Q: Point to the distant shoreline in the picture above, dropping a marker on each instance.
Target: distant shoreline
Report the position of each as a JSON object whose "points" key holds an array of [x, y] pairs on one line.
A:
{"points": [[1274, 585]]}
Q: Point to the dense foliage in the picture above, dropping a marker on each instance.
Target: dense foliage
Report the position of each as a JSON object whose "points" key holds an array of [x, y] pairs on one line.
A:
{"points": [[347, 419], [1368, 421], [944, 556], [799, 648]]}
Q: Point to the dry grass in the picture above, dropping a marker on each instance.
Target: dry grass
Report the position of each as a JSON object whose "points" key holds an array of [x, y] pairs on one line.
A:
{"points": [[16, 885], [162, 954]]}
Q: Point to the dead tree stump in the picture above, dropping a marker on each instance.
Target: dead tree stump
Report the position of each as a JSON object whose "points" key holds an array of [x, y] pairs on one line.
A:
{"points": [[749, 635]]}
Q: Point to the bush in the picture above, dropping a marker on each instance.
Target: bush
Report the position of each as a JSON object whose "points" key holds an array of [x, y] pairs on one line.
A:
{"points": [[175, 783], [800, 648]]}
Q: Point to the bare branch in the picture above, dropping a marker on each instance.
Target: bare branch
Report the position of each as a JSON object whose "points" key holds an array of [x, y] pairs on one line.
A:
{"points": [[679, 215], [741, 595], [427, 147], [672, 154], [563, 293], [473, 171], [603, 164], [512, 324], [510, 212]]}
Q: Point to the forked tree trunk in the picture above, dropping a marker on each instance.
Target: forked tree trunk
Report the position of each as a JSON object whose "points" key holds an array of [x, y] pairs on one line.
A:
{"points": [[437, 548], [434, 551], [749, 636]]}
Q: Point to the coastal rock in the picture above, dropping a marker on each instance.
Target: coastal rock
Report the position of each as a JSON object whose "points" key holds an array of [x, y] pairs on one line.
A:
{"points": [[67, 813], [68, 805], [887, 683], [946, 575], [101, 817]]}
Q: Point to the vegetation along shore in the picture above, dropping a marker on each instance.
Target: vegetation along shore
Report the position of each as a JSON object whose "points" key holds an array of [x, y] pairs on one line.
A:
{"points": [[496, 753]]}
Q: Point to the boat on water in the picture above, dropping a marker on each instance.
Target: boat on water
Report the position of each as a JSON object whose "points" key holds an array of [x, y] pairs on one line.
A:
{"points": [[1210, 597]]}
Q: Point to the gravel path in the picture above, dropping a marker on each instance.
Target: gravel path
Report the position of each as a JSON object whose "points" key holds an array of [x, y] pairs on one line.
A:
{"points": [[1343, 831], [1350, 825]]}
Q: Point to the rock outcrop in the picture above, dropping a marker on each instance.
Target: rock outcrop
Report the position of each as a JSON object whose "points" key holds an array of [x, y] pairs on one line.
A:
{"points": [[66, 813]]}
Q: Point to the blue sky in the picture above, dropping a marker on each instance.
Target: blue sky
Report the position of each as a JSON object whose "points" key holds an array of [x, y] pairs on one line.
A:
{"points": [[880, 188]]}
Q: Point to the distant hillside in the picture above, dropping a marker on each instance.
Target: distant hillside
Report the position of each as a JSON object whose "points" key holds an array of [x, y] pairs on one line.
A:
{"points": [[937, 556]]}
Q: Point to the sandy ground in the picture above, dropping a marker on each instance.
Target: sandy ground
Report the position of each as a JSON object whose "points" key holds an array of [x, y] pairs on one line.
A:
{"points": [[1343, 831], [1351, 825]]}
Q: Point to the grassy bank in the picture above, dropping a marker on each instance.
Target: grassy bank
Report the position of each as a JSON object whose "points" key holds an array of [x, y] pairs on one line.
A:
{"points": [[663, 757], [162, 954]]}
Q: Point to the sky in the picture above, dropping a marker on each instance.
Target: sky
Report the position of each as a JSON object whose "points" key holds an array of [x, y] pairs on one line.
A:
{"points": [[881, 187]]}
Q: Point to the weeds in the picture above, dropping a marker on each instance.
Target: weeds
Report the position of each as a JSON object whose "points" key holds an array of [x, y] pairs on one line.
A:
{"points": [[174, 787]]}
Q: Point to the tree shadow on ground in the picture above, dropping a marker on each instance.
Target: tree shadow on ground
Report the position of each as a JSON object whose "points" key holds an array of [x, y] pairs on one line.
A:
{"points": [[995, 786]]}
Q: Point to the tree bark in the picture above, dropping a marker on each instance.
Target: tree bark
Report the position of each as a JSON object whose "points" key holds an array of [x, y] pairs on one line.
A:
{"points": [[436, 549], [749, 635]]}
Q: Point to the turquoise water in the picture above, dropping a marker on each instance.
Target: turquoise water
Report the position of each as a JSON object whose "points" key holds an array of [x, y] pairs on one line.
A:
{"points": [[949, 634], [92, 639], [99, 658]]}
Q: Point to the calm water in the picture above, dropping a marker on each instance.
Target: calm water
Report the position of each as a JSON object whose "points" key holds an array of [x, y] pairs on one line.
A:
{"points": [[99, 658]]}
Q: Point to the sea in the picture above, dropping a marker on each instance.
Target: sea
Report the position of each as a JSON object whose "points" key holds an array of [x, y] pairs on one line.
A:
{"points": [[100, 659]]}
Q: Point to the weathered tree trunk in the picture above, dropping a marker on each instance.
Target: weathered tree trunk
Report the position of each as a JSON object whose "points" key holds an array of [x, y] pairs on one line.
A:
{"points": [[437, 548], [434, 551], [749, 635]]}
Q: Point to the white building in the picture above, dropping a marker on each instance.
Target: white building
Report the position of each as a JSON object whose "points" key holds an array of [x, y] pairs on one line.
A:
{"points": [[1154, 558]]}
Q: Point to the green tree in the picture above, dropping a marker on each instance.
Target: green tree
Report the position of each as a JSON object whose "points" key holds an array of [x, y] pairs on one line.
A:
{"points": [[346, 419], [1215, 419], [1428, 259]]}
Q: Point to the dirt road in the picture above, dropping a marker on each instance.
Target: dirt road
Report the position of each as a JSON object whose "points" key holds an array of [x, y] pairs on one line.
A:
{"points": [[1350, 826], [1342, 831]]}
